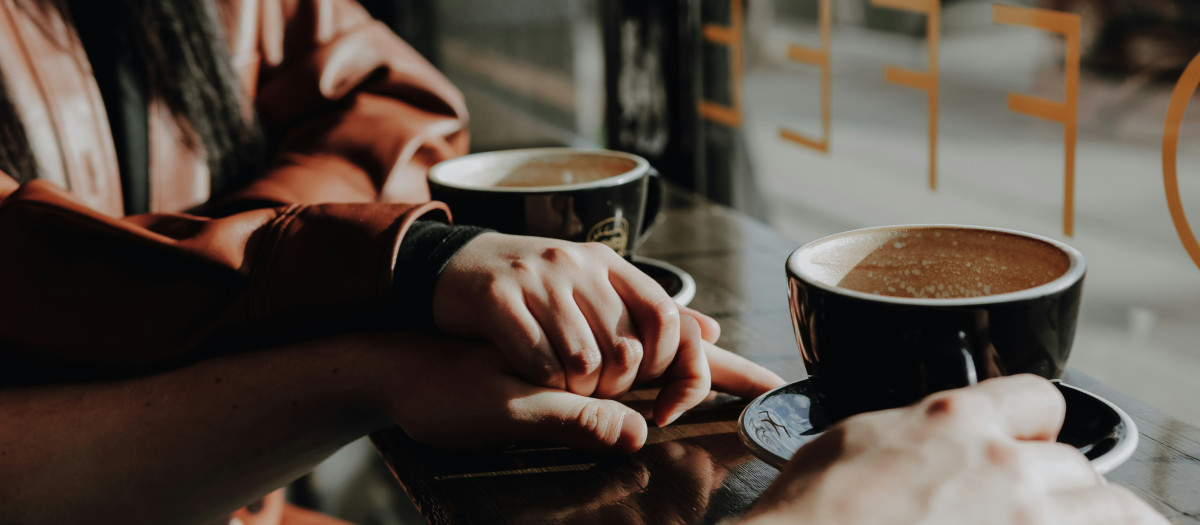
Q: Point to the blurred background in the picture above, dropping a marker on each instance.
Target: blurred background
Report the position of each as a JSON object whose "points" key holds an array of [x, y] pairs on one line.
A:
{"points": [[782, 109]]}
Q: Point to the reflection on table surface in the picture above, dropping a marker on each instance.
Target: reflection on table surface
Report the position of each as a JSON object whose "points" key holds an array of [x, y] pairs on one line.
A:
{"points": [[677, 477]]}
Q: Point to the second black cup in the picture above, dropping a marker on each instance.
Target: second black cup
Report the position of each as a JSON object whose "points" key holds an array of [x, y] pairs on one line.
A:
{"points": [[885, 316]]}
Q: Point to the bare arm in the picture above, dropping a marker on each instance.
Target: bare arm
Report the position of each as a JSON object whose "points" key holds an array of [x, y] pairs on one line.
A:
{"points": [[199, 442], [190, 444]]}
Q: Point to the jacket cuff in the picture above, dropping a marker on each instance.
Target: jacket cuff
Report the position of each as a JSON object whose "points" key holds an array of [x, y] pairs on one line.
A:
{"points": [[329, 259], [424, 253]]}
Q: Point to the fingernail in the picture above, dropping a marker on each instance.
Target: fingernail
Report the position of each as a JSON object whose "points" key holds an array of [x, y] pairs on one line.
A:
{"points": [[671, 419], [633, 433]]}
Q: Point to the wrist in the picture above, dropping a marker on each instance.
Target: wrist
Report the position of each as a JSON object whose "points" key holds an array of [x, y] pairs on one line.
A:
{"points": [[336, 383], [369, 382], [427, 248], [387, 379]]}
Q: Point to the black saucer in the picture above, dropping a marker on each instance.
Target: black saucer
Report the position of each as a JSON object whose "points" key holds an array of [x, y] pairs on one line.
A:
{"points": [[779, 422], [678, 283]]}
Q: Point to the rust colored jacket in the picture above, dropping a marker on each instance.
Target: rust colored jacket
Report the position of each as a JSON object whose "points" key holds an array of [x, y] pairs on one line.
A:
{"points": [[83, 284]]}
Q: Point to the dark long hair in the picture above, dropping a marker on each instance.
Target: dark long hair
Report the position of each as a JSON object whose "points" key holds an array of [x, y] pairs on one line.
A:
{"points": [[16, 159], [186, 64]]}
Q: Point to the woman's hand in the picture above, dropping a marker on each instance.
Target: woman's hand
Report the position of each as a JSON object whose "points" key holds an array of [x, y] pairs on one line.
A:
{"points": [[448, 392], [983, 454], [575, 317]]}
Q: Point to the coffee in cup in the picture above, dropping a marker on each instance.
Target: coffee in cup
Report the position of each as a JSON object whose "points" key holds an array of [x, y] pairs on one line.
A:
{"points": [[885, 316], [573, 194]]}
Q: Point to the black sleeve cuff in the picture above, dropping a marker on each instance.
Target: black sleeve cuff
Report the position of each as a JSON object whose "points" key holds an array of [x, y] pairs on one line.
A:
{"points": [[424, 252]]}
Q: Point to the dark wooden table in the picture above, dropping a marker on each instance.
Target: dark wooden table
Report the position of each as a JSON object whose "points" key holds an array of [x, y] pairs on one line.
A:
{"points": [[696, 470]]}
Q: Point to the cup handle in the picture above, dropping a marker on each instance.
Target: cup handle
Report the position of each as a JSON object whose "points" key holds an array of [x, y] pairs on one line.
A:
{"points": [[654, 203]]}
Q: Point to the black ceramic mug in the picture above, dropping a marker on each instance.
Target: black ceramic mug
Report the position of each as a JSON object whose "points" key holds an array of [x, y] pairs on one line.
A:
{"points": [[885, 316], [581, 195]]}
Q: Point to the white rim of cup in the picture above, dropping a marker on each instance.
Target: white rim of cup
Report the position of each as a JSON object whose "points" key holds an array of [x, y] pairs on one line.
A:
{"points": [[478, 161], [1075, 270]]}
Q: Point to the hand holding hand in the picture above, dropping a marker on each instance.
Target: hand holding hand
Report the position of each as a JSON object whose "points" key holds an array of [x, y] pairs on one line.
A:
{"points": [[983, 454], [454, 393], [575, 317]]}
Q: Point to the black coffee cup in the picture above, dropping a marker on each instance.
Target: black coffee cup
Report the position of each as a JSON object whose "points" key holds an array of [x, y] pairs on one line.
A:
{"points": [[581, 195], [885, 316]]}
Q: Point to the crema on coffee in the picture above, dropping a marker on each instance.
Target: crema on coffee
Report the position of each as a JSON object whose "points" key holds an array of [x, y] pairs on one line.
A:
{"points": [[935, 262], [563, 170]]}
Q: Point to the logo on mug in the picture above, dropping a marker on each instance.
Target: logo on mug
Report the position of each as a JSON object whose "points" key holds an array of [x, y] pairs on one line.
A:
{"points": [[613, 231]]}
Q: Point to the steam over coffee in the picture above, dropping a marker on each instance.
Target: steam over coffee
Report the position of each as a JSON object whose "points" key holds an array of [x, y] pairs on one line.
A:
{"points": [[939, 263]]}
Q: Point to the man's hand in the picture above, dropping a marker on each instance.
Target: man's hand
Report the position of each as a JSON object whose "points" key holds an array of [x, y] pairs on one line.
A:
{"points": [[574, 317], [454, 393], [983, 454]]}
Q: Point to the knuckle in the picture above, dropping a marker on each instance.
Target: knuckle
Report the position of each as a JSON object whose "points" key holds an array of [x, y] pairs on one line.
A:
{"points": [[493, 288], [601, 420], [526, 338], [545, 372], [516, 337], [1001, 454], [689, 327], [1069, 451], [1075, 461], [1033, 382], [627, 353], [666, 311], [859, 432], [583, 361], [553, 254], [955, 404], [565, 255], [1027, 380], [599, 249]]}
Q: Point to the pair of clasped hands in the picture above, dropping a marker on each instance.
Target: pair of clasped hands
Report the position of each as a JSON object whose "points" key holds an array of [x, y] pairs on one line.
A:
{"points": [[576, 327]]}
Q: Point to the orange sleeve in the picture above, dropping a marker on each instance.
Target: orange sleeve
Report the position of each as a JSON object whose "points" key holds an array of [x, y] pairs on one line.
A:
{"points": [[364, 115], [82, 288], [359, 115]]}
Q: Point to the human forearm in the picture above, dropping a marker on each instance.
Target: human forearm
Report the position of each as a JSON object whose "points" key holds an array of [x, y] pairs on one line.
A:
{"points": [[144, 289], [189, 445]]}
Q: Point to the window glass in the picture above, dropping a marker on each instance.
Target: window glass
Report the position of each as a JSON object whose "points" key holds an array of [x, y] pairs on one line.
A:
{"points": [[819, 116], [532, 70], [1044, 116]]}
